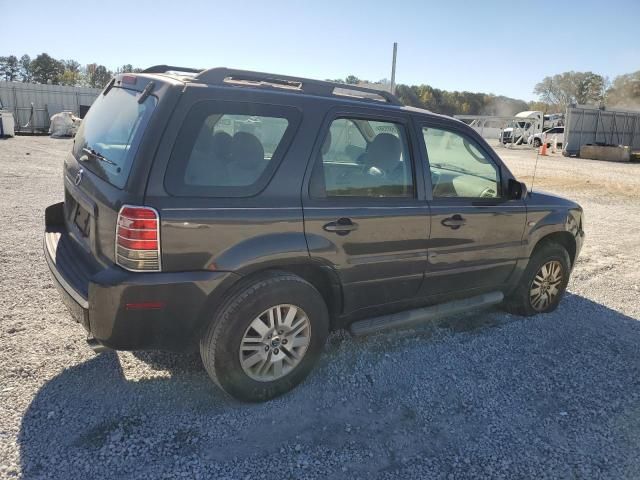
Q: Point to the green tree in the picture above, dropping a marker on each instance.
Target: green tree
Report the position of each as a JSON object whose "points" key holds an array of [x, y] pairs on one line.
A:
{"points": [[46, 69], [352, 80], [71, 75], [71, 78], [97, 76], [25, 68], [542, 107], [9, 68], [71, 65], [127, 68]]}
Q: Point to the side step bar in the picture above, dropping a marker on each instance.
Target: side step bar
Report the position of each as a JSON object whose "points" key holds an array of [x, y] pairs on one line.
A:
{"points": [[414, 317]]}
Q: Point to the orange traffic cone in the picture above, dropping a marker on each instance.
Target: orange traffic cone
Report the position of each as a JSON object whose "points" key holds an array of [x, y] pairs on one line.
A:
{"points": [[543, 149]]}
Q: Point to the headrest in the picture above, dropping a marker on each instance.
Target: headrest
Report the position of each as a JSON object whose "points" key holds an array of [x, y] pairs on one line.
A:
{"points": [[246, 150], [384, 152], [221, 144]]}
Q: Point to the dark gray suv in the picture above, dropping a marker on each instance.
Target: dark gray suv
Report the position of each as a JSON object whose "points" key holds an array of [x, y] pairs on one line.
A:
{"points": [[252, 213]]}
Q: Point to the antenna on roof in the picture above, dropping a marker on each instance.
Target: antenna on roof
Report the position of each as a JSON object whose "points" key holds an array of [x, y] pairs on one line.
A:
{"points": [[535, 168], [393, 68]]}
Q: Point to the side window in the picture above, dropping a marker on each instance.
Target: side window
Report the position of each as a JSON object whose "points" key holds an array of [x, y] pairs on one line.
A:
{"points": [[458, 166], [347, 142], [219, 153], [363, 158]]}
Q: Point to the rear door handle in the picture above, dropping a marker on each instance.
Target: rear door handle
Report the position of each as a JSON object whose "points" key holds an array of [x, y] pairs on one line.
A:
{"points": [[454, 222], [342, 226]]}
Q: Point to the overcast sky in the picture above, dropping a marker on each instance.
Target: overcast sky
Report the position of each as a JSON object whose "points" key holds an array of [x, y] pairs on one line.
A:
{"points": [[501, 47]]}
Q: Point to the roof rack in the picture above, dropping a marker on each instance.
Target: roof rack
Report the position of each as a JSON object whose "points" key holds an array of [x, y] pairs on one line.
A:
{"points": [[169, 68], [220, 76]]}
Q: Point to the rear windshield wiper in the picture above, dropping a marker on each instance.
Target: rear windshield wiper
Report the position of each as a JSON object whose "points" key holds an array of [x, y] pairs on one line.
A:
{"points": [[146, 92], [99, 156]]}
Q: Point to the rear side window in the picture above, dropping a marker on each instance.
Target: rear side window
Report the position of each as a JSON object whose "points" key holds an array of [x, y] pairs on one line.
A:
{"points": [[228, 149], [109, 134]]}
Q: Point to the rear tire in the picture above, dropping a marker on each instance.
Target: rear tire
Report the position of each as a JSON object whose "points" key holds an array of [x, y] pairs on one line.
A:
{"points": [[537, 143], [270, 363], [543, 282]]}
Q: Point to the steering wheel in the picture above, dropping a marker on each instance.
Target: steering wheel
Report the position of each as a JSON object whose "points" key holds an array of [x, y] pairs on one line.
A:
{"points": [[488, 192]]}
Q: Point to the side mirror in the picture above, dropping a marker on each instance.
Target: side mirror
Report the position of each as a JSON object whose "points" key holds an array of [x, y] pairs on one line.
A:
{"points": [[516, 190]]}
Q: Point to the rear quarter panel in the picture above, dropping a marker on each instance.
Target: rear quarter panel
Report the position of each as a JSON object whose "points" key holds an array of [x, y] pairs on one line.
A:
{"points": [[104, 200]]}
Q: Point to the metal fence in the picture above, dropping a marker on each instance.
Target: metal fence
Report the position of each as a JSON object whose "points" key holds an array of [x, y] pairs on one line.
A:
{"points": [[33, 104], [586, 125]]}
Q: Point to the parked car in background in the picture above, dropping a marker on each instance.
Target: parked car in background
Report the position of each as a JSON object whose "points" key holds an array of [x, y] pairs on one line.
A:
{"points": [[248, 214], [548, 135], [553, 120]]}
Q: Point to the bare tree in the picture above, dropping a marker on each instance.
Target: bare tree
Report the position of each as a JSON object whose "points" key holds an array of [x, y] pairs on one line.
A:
{"points": [[624, 91], [572, 87]]}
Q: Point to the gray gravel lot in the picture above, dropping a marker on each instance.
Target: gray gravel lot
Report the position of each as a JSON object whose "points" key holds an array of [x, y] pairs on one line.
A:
{"points": [[487, 395]]}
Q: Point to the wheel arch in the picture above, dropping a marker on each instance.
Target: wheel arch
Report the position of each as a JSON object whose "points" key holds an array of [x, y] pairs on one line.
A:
{"points": [[322, 277], [565, 239]]}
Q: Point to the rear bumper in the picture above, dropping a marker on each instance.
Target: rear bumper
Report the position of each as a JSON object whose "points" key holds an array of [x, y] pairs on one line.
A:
{"points": [[125, 310]]}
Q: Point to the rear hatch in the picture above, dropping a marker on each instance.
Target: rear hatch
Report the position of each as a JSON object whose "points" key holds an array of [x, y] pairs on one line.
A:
{"points": [[99, 171]]}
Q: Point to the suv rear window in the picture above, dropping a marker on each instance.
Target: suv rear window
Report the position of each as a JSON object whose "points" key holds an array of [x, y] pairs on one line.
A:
{"points": [[107, 139], [228, 150]]}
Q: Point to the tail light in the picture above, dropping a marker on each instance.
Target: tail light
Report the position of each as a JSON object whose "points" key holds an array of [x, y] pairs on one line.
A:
{"points": [[138, 239]]}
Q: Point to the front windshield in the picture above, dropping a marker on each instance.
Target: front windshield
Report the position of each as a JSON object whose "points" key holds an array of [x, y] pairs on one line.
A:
{"points": [[110, 131]]}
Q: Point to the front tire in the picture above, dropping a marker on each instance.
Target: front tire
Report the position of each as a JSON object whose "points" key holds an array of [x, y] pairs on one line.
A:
{"points": [[537, 142], [543, 282], [266, 338]]}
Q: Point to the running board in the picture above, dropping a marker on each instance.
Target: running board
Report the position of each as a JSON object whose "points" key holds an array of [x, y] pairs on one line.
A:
{"points": [[410, 318]]}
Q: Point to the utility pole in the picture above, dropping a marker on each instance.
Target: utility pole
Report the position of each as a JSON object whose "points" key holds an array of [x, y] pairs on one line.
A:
{"points": [[393, 68]]}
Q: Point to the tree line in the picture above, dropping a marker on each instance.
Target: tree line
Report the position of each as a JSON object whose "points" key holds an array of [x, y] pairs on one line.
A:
{"points": [[588, 88], [555, 92], [46, 69], [572, 87], [444, 101]]}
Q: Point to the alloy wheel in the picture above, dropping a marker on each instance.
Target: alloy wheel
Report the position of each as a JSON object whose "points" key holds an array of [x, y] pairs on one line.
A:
{"points": [[275, 342], [546, 285]]}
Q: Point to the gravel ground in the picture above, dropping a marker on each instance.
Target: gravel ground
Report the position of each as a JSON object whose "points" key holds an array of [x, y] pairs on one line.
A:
{"points": [[480, 396]]}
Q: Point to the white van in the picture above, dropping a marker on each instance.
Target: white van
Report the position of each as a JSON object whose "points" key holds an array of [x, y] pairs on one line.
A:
{"points": [[549, 135]]}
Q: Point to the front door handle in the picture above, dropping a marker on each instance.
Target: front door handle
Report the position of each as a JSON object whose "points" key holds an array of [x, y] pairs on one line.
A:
{"points": [[454, 222], [342, 226]]}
